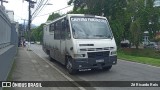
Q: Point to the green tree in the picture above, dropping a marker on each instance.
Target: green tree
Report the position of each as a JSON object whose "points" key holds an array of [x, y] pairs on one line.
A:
{"points": [[118, 30], [53, 16], [135, 30], [147, 14], [37, 33], [121, 14]]}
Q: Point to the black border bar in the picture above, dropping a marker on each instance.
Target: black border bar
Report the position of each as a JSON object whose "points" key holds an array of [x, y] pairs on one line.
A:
{"points": [[80, 83]]}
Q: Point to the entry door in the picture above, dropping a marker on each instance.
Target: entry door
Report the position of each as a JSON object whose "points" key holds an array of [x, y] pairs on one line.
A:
{"points": [[63, 43]]}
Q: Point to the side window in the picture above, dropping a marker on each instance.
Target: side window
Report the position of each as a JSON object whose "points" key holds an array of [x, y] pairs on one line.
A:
{"points": [[63, 29], [51, 27], [57, 30], [67, 31]]}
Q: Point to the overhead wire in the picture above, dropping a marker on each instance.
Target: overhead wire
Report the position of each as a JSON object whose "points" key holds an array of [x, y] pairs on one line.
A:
{"points": [[39, 10], [55, 11], [41, 7], [39, 4]]}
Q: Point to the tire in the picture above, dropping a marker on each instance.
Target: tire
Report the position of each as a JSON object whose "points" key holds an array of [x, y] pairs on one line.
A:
{"points": [[107, 68], [69, 66]]}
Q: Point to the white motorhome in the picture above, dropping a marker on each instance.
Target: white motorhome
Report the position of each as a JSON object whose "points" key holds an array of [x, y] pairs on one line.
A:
{"points": [[81, 42]]}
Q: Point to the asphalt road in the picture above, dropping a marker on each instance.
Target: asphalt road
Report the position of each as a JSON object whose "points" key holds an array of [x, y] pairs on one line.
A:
{"points": [[123, 71]]}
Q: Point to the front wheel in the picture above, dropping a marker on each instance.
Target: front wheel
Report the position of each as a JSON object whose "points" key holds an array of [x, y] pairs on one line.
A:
{"points": [[69, 66]]}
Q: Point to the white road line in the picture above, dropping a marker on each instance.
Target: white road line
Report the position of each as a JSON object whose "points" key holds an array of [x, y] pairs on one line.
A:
{"points": [[139, 63], [68, 78]]}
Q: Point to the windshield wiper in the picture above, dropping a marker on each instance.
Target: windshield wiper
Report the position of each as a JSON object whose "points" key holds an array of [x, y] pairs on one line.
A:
{"points": [[99, 35], [104, 36]]}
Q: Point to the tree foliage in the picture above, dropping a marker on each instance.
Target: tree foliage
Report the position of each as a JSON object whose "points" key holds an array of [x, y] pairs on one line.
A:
{"points": [[126, 17], [135, 30], [37, 33], [53, 16]]}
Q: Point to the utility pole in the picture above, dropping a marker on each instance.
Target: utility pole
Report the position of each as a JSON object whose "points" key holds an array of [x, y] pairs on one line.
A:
{"points": [[24, 29], [3, 1], [24, 24], [30, 5]]}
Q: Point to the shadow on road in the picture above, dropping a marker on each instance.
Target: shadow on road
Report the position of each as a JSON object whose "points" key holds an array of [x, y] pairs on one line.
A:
{"points": [[90, 72]]}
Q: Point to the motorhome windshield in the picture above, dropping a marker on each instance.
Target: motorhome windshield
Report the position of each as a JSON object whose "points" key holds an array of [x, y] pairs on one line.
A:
{"points": [[90, 28]]}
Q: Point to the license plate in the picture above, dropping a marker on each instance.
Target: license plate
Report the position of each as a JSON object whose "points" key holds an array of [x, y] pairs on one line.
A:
{"points": [[100, 60]]}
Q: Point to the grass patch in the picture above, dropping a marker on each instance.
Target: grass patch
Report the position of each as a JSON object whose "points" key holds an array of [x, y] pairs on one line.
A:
{"points": [[146, 56]]}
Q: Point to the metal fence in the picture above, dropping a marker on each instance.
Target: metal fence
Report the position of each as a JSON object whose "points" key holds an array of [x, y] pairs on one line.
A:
{"points": [[5, 29], [8, 45]]}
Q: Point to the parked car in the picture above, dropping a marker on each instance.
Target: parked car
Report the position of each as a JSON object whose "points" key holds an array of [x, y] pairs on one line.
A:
{"points": [[32, 42], [151, 45], [125, 43], [38, 42]]}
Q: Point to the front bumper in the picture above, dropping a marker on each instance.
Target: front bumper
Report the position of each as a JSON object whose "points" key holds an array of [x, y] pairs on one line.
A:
{"points": [[90, 63]]}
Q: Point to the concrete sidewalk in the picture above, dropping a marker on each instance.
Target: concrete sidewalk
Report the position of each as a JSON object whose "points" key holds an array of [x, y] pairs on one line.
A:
{"points": [[30, 67]]}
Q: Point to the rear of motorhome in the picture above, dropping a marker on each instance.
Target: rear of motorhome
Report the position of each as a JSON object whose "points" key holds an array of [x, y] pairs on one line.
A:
{"points": [[81, 42]]}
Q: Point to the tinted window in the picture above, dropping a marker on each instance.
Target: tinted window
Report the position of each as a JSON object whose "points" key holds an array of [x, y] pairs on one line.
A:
{"points": [[51, 27], [57, 30]]}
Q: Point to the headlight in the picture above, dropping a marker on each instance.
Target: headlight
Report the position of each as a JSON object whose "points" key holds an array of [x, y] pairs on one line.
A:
{"points": [[79, 55], [113, 52], [111, 48]]}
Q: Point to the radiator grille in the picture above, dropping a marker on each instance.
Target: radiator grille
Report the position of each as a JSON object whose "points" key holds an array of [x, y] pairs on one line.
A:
{"points": [[98, 54], [96, 49]]}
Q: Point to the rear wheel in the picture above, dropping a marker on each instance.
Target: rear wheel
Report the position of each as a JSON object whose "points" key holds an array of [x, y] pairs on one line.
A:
{"points": [[69, 66], [107, 68]]}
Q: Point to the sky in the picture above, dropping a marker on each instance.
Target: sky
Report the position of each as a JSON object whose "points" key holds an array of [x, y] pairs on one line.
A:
{"points": [[20, 9]]}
